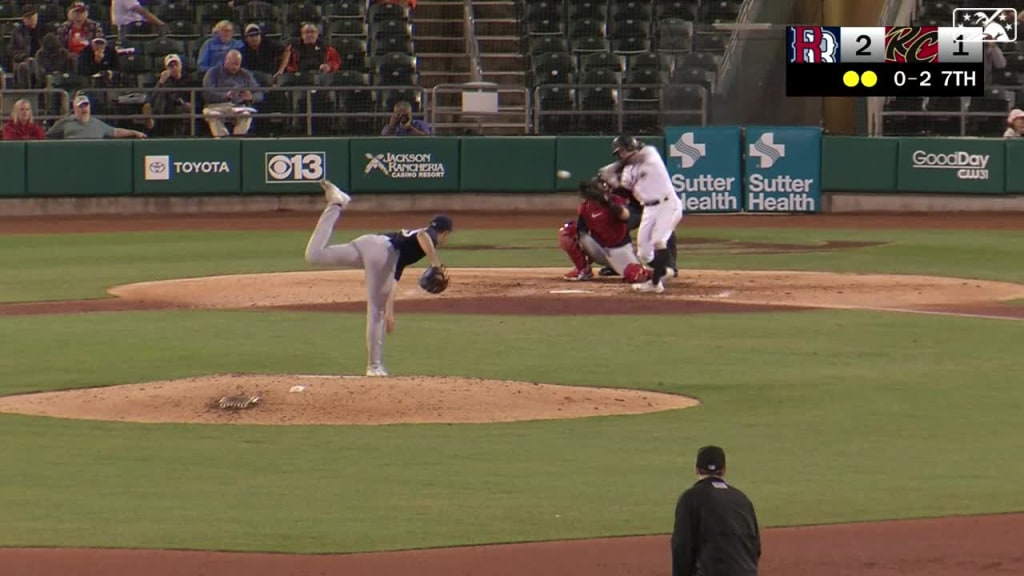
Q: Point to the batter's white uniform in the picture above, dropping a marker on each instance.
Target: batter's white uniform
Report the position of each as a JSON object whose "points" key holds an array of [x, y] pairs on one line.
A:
{"points": [[646, 176]]}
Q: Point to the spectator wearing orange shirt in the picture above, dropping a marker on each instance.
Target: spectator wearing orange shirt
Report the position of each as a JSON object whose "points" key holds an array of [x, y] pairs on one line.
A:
{"points": [[311, 55]]}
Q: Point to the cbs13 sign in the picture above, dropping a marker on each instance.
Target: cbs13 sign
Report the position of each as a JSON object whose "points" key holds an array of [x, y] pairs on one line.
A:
{"points": [[294, 166]]}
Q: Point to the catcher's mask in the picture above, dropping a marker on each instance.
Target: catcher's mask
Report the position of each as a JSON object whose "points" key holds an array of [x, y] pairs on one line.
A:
{"points": [[625, 143]]}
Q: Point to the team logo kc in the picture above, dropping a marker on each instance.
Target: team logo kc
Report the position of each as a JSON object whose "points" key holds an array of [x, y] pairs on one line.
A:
{"points": [[996, 24], [295, 166], [687, 150], [813, 45]]}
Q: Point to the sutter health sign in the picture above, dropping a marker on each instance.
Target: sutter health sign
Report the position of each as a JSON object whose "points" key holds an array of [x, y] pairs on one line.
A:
{"points": [[783, 169], [705, 166]]}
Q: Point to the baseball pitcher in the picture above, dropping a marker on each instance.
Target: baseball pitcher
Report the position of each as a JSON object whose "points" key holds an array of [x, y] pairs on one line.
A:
{"points": [[600, 235], [641, 170], [383, 258]]}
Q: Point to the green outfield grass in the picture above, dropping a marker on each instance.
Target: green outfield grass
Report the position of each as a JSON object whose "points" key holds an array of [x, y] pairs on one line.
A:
{"points": [[826, 416], [85, 265]]}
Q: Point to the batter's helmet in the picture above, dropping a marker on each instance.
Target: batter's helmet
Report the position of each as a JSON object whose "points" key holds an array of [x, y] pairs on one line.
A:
{"points": [[627, 143]]}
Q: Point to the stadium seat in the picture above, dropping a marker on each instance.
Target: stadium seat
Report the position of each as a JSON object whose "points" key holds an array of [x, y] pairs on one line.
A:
{"points": [[674, 36], [356, 98], [645, 76], [210, 14], [939, 11], [545, 27], [553, 68], [170, 12], [631, 45], [996, 99], [388, 98], [395, 28], [554, 98], [588, 9], [543, 10], [387, 45], [155, 50], [9, 11], [382, 12], [632, 9], [1015, 62], [630, 28], [652, 61], [587, 27], [395, 69], [355, 9], [50, 12], [182, 30], [347, 28], [352, 52], [703, 60], [687, 10], [601, 61], [696, 76], [588, 45], [720, 11], [598, 92], [300, 12], [547, 44]]}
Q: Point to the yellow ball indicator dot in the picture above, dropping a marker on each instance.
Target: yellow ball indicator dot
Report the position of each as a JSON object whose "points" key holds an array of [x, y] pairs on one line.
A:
{"points": [[869, 79], [851, 79]]}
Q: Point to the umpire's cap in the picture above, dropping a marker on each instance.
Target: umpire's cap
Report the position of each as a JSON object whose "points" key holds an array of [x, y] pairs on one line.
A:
{"points": [[625, 142], [711, 460], [441, 223]]}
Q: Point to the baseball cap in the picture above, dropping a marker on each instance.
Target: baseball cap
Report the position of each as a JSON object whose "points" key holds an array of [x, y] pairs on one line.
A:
{"points": [[76, 6], [172, 58], [28, 10], [1014, 114], [253, 30], [711, 459], [441, 223], [81, 99], [99, 40]]}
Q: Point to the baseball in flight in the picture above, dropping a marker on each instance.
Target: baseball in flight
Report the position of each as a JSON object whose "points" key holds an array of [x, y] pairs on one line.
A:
{"points": [[563, 174]]}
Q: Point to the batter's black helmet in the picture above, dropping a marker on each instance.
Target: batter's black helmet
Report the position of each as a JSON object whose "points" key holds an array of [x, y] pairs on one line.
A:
{"points": [[627, 143]]}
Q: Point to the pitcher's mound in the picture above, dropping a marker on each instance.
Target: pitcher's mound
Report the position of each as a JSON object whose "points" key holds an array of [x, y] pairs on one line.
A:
{"points": [[294, 400]]}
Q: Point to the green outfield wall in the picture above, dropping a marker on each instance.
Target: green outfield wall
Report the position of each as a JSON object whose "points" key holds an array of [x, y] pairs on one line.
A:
{"points": [[970, 166]]}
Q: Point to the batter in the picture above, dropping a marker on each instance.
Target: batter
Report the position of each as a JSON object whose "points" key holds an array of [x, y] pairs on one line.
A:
{"points": [[383, 258]]}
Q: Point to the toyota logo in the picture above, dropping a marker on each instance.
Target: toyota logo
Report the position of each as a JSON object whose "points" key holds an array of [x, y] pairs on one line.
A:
{"points": [[157, 167]]}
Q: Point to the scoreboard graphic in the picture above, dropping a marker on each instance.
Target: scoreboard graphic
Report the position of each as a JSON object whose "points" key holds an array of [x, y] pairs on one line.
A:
{"points": [[884, 61]]}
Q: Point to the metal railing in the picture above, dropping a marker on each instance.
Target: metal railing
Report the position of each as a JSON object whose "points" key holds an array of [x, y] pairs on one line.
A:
{"points": [[963, 115], [650, 116], [472, 45], [509, 115], [316, 103], [37, 114]]}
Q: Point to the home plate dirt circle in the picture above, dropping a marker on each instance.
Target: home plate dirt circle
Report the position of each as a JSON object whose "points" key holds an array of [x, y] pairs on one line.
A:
{"points": [[340, 400]]}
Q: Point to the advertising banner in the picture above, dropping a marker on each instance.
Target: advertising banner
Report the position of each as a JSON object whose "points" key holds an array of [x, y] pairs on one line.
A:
{"points": [[706, 167], [783, 169]]}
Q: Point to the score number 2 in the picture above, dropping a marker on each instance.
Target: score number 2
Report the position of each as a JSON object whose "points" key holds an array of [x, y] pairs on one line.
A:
{"points": [[863, 50]]}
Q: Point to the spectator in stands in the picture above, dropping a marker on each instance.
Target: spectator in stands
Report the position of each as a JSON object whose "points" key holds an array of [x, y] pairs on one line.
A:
{"points": [[54, 58], [402, 123], [1016, 124], [99, 63], [993, 59], [22, 126], [82, 126], [129, 16], [173, 98], [26, 40], [216, 47], [230, 92], [263, 57], [311, 56], [78, 32]]}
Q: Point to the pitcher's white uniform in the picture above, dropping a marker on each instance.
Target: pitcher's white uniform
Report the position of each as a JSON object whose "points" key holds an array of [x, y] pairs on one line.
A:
{"points": [[645, 175]]}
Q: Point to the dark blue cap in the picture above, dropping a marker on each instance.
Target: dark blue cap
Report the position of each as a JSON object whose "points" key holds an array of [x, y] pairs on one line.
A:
{"points": [[441, 223], [711, 459]]}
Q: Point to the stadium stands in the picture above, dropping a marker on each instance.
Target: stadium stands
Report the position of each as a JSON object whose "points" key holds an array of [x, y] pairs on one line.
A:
{"points": [[615, 60], [983, 116]]}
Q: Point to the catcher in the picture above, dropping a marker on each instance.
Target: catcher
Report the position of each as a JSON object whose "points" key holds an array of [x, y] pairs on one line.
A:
{"points": [[383, 257], [600, 235]]}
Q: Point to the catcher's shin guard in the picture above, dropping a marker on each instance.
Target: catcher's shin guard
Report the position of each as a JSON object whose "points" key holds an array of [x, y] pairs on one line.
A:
{"points": [[672, 252], [568, 242]]}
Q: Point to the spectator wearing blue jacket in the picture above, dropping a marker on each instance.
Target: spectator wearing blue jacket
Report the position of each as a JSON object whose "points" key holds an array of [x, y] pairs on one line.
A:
{"points": [[217, 46], [230, 92]]}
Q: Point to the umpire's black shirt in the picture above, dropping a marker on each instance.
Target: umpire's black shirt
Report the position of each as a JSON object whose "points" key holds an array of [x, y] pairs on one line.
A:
{"points": [[716, 532]]}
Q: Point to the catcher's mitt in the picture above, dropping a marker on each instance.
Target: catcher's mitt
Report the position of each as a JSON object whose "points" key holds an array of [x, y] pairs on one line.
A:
{"points": [[434, 279]]}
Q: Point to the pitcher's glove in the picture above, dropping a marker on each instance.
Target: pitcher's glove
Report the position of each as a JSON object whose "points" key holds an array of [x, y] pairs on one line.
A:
{"points": [[434, 279]]}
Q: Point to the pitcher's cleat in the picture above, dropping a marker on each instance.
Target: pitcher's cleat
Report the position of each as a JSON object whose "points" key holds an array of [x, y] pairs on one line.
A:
{"points": [[333, 194]]}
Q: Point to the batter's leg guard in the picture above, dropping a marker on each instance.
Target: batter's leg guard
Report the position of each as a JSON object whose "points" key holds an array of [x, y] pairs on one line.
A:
{"points": [[658, 265], [567, 242], [635, 274]]}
